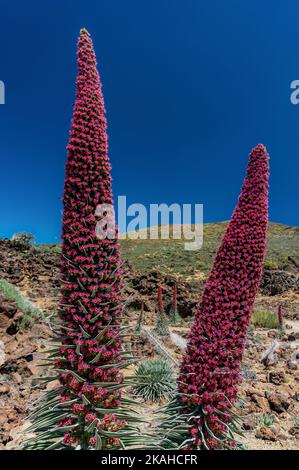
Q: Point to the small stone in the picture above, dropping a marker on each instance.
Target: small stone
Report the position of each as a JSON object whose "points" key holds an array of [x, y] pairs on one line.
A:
{"points": [[294, 431], [266, 434], [17, 378], [282, 437], [40, 330], [5, 322], [293, 336], [2, 353], [277, 377], [261, 402], [273, 334], [3, 419], [275, 429], [4, 389], [292, 365], [253, 391], [249, 424], [278, 402]]}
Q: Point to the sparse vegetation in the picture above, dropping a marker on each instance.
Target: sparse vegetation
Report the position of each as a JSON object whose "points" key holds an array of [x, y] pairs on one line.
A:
{"points": [[270, 264], [296, 421], [266, 420], [50, 248], [154, 380], [161, 328], [264, 319], [174, 316], [169, 256], [25, 322], [23, 239], [140, 320], [29, 310]]}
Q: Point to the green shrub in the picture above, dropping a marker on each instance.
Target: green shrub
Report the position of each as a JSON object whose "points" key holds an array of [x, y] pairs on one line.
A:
{"points": [[265, 319], [270, 264], [175, 319], [50, 248], [161, 328], [154, 380], [266, 420], [25, 322], [23, 239]]}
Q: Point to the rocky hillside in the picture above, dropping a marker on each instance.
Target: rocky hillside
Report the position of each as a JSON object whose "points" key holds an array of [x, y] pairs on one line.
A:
{"points": [[36, 270], [169, 256]]}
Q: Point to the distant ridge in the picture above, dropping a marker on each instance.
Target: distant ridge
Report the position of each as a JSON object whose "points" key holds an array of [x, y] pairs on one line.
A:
{"points": [[169, 256]]}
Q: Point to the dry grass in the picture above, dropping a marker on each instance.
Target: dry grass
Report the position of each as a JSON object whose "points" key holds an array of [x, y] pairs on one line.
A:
{"points": [[265, 319]]}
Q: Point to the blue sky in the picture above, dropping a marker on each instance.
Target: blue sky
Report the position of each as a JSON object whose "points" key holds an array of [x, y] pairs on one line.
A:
{"points": [[190, 87]]}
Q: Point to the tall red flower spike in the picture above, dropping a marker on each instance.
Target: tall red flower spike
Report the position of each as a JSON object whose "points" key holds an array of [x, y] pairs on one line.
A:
{"points": [[280, 315], [210, 369], [89, 357], [160, 300], [174, 298]]}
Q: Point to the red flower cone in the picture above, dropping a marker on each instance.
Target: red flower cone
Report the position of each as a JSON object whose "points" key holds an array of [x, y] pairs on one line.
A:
{"points": [[280, 315], [210, 369], [160, 300]]}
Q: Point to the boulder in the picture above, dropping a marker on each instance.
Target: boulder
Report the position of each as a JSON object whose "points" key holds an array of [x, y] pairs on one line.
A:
{"points": [[266, 434], [276, 377], [278, 402], [249, 424], [275, 282]]}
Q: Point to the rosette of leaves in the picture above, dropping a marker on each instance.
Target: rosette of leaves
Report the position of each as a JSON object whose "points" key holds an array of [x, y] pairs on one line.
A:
{"points": [[154, 380]]}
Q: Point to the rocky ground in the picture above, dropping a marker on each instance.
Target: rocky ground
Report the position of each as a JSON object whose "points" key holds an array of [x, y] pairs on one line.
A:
{"points": [[269, 394]]}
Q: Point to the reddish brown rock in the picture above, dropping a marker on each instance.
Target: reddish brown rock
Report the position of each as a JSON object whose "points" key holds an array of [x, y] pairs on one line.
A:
{"points": [[4, 389], [276, 377], [294, 431], [278, 402], [261, 402], [265, 433], [249, 424]]}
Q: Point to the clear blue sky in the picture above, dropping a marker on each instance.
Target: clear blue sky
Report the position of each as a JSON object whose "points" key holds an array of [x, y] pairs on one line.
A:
{"points": [[190, 87]]}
